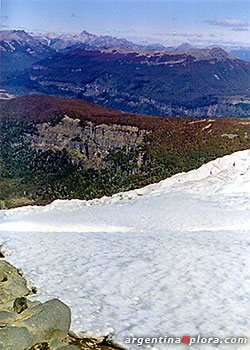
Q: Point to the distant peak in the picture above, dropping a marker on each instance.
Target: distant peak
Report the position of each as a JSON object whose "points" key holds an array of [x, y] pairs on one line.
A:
{"points": [[219, 53], [84, 32], [184, 47]]}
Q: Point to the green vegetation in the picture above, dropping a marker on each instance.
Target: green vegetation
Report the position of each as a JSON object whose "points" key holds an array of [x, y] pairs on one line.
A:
{"points": [[16, 153]]}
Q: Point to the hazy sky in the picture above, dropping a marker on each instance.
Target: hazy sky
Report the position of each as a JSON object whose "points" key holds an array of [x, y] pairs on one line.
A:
{"points": [[200, 22]]}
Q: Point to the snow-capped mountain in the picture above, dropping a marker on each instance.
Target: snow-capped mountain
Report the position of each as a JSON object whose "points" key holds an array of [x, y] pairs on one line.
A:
{"points": [[20, 50], [84, 40], [14, 40], [171, 258]]}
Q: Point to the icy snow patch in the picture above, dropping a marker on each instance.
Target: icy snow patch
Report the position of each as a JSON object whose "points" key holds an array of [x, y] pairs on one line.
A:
{"points": [[171, 258]]}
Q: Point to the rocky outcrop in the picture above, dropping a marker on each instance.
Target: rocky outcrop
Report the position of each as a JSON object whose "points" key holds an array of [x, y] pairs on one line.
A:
{"points": [[32, 325], [24, 323], [87, 142]]}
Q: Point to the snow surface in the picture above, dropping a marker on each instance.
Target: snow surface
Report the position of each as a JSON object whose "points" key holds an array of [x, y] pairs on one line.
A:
{"points": [[172, 258]]}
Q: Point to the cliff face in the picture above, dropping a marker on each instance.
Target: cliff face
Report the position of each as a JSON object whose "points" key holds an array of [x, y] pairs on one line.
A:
{"points": [[230, 107], [87, 142]]}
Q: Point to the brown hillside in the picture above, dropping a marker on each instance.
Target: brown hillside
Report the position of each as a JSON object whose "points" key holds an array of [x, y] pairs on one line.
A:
{"points": [[41, 108]]}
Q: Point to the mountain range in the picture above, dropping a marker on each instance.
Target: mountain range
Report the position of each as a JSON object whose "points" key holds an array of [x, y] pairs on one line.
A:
{"points": [[208, 82], [20, 49], [182, 81], [84, 40], [89, 41]]}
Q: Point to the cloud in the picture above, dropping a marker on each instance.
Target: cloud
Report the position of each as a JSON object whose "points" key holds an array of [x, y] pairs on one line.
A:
{"points": [[231, 23], [184, 35], [241, 29]]}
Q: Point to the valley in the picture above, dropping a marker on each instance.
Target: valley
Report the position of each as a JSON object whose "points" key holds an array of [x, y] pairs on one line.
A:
{"points": [[132, 79]]}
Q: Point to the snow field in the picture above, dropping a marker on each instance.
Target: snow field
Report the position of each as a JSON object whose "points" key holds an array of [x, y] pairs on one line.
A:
{"points": [[169, 259]]}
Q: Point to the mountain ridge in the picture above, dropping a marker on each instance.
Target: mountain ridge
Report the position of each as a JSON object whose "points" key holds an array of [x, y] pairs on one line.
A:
{"points": [[198, 82], [20, 50], [86, 40]]}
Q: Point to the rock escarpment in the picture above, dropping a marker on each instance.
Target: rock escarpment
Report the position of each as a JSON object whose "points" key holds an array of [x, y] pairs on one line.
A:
{"points": [[88, 143]]}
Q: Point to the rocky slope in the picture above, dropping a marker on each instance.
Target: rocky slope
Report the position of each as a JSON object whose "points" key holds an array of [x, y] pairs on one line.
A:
{"points": [[91, 143], [80, 128], [64, 148]]}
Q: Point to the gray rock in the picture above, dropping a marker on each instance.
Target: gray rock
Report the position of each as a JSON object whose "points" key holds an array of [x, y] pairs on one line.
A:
{"points": [[15, 338], [12, 285], [24, 323], [52, 321], [89, 144], [7, 316]]}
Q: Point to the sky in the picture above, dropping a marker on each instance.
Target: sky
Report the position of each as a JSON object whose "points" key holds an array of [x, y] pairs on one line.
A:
{"points": [[169, 22]]}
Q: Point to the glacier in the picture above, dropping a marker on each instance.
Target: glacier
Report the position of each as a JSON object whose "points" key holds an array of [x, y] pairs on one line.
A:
{"points": [[169, 259]]}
